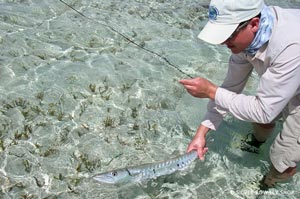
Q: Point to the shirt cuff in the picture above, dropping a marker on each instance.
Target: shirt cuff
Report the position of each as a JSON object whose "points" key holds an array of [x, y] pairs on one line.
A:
{"points": [[209, 124]]}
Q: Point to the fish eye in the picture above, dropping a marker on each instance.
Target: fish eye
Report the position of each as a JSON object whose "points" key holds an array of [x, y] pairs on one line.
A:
{"points": [[114, 173]]}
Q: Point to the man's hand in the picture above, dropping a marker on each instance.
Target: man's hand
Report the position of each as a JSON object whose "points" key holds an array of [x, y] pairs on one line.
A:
{"points": [[200, 87], [199, 142]]}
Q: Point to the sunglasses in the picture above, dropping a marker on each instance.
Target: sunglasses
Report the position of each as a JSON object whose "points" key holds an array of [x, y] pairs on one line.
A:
{"points": [[238, 29]]}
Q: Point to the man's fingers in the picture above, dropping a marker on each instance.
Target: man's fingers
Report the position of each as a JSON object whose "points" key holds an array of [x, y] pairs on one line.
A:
{"points": [[189, 149], [201, 153], [188, 87], [186, 82]]}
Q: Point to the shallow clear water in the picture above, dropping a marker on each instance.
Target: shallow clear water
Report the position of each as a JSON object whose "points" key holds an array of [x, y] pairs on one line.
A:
{"points": [[77, 99]]}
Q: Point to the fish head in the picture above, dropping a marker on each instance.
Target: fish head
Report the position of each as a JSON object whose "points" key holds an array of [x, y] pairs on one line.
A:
{"points": [[113, 177]]}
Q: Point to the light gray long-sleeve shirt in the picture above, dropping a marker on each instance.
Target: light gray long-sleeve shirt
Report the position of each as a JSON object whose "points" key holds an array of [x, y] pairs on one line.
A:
{"points": [[278, 66]]}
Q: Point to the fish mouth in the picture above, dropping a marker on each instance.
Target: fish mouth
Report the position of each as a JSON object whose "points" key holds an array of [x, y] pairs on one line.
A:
{"points": [[104, 179]]}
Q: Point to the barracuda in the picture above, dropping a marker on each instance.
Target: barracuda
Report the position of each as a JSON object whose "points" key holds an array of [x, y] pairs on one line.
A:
{"points": [[146, 171]]}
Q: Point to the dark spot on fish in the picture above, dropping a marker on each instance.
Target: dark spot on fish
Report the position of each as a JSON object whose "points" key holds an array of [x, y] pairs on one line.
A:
{"points": [[129, 173], [114, 173]]}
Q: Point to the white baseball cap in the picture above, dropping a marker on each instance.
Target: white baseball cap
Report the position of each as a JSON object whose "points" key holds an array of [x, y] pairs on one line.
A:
{"points": [[225, 16]]}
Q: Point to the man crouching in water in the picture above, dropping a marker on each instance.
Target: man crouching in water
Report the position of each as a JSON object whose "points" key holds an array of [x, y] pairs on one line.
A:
{"points": [[267, 40]]}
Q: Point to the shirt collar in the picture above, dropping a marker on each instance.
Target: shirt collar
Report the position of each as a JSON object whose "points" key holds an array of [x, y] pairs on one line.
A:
{"points": [[261, 53]]}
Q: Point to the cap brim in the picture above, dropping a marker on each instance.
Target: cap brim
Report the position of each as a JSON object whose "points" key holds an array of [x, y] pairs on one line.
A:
{"points": [[216, 33]]}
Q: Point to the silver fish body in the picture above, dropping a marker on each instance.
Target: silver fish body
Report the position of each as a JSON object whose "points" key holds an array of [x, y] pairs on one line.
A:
{"points": [[146, 171]]}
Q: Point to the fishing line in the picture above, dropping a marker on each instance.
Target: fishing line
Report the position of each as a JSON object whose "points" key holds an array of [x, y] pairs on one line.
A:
{"points": [[128, 39]]}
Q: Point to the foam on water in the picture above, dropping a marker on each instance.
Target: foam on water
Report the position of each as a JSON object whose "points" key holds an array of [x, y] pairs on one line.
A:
{"points": [[78, 99]]}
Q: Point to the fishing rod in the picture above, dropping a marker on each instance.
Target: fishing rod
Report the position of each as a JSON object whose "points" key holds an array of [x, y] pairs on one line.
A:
{"points": [[128, 39]]}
